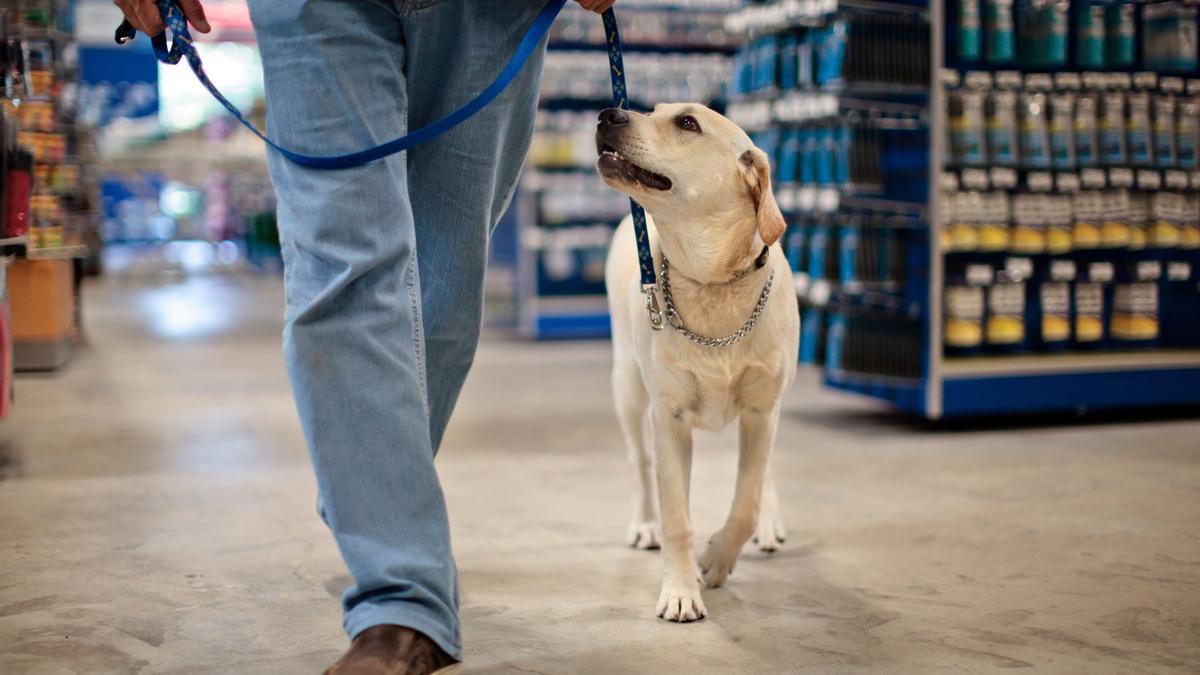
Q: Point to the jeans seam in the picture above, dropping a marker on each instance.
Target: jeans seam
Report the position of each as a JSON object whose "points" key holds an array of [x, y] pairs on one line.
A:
{"points": [[418, 336]]}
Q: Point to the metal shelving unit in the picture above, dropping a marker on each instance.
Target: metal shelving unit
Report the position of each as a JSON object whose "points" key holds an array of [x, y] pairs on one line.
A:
{"points": [[884, 338]]}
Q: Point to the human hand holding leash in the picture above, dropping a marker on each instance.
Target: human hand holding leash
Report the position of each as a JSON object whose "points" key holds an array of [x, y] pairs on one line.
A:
{"points": [[597, 6], [144, 15]]}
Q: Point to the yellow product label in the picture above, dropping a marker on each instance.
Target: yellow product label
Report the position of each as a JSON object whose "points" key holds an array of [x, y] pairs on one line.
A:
{"points": [[1190, 237], [963, 333], [1005, 330], [1114, 234], [1165, 234], [1137, 238], [1058, 240], [1028, 239], [1135, 311], [1088, 328], [1085, 235], [994, 237], [41, 82], [1055, 328], [963, 237]]}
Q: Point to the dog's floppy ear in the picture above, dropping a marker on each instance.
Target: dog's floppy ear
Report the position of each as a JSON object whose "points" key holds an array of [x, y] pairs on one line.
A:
{"points": [[756, 170]]}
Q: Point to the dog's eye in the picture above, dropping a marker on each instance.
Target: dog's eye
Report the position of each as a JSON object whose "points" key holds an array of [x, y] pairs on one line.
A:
{"points": [[687, 123]]}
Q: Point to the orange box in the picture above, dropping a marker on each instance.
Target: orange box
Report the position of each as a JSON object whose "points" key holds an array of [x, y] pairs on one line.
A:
{"points": [[42, 296]]}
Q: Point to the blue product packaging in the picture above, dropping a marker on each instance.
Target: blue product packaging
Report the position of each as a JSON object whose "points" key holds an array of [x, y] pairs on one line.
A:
{"points": [[812, 330], [788, 46], [832, 53], [998, 24], [1002, 127], [1121, 35], [848, 242], [1165, 155], [1089, 35], [1138, 128], [824, 158], [841, 141], [1087, 150], [969, 24], [1034, 136], [808, 155], [1113, 150], [1187, 133], [789, 156], [1062, 130]]}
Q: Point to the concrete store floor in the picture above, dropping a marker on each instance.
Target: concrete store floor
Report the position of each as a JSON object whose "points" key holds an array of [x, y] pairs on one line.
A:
{"points": [[157, 515]]}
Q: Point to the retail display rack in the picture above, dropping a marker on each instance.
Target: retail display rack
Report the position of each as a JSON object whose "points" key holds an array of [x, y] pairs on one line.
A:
{"points": [[675, 50], [48, 196], [993, 205]]}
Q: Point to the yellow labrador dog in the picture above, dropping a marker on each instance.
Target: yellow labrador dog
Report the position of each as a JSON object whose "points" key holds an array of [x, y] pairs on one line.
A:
{"points": [[730, 348]]}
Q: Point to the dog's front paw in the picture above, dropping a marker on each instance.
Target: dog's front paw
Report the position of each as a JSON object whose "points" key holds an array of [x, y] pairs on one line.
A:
{"points": [[680, 602], [769, 534], [717, 561], [643, 534]]}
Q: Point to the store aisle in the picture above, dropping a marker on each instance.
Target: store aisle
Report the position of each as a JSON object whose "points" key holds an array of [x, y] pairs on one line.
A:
{"points": [[158, 516]]}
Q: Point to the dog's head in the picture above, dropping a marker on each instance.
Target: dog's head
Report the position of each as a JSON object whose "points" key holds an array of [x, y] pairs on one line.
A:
{"points": [[686, 159]]}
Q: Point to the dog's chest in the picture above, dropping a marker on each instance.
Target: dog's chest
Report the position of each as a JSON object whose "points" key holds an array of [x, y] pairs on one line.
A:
{"points": [[709, 391]]}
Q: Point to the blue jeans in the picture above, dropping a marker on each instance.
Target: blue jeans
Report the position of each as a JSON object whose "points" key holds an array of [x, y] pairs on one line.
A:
{"points": [[384, 264]]}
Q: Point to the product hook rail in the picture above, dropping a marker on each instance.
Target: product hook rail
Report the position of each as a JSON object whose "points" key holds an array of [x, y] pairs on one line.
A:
{"points": [[182, 47]]}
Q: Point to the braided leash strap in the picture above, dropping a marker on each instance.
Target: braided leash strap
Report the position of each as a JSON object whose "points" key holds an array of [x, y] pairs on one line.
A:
{"points": [[616, 71]]}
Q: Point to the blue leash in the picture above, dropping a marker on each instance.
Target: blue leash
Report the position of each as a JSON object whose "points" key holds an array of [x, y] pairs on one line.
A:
{"points": [[182, 47]]}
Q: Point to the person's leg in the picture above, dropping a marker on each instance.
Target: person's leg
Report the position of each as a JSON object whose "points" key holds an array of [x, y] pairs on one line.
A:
{"points": [[461, 183], [353, 342]]}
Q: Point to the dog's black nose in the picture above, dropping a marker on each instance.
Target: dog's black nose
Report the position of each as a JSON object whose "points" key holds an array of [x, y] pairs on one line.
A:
{"points": [[613, 117]]}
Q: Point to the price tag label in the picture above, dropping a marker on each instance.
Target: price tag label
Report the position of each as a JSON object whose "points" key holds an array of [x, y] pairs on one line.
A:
{"points": [[1039, 181], [1148, 179], [1019, 267], [827, 200], [1039, 81], [1008, 79], [1176, 180], [1171, 85], [1062, 270], [950, 181], [1066, 80], [1067, 182], [975, 179], [1145, 80], [1148, 270], [1093, 179], [1004, 178], [1178, 270], [1100, 271], [1120, 177], [979, 275], [819, 292], [978, 79], [806, 198]]}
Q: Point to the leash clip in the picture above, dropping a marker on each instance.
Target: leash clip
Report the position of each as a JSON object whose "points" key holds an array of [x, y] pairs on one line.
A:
{"points": [[650, 295]]}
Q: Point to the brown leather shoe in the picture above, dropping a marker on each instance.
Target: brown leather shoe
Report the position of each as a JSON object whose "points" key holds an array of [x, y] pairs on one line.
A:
{"points": [[393, 650]]}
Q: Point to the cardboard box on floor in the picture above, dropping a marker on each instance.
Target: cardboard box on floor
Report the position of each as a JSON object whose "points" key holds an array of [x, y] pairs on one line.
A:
{"points": [[42, 296]]}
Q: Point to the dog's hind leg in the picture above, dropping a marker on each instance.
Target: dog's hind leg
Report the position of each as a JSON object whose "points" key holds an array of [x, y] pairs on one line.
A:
{"points": [[632, 411], [756, 436], [770, 533]]}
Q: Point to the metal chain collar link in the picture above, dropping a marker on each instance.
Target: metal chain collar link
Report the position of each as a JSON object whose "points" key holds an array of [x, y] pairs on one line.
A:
{"points": [[676, 320]]}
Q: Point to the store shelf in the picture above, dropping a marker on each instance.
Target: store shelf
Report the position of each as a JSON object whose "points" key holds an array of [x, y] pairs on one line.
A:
{"points": [[1072, 362], [57, 253]]}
